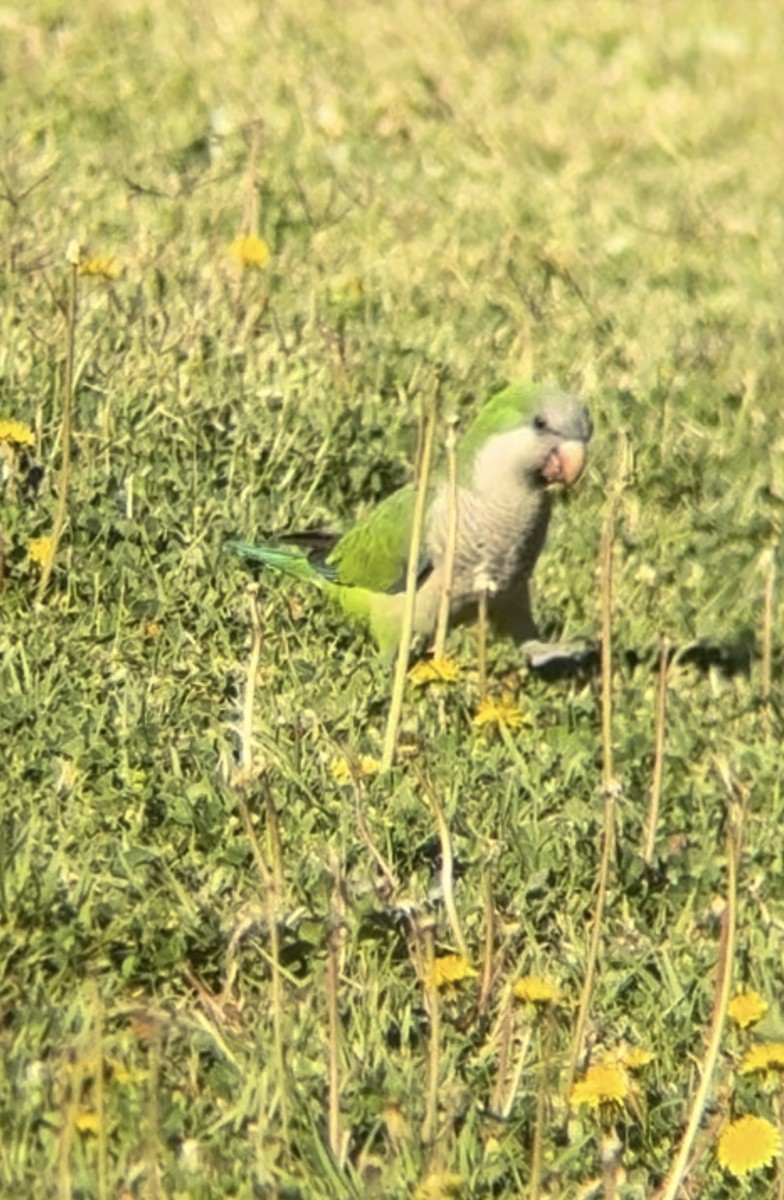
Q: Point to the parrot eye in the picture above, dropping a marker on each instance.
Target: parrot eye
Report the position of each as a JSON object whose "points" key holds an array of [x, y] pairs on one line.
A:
{"points": [[540, 422]]}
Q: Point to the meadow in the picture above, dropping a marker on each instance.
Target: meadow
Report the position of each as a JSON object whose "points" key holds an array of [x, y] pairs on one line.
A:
{"points": [[244, 245]]}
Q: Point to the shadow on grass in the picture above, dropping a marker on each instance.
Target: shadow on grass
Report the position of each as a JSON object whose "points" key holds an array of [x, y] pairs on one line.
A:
{"points": [[730, 658]]}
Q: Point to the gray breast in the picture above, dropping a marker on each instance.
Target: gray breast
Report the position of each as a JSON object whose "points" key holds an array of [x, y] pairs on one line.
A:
{"points": [[498, 540]]}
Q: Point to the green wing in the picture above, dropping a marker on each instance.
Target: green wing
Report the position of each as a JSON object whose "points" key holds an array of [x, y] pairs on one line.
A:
{"points": [[374, 553]]}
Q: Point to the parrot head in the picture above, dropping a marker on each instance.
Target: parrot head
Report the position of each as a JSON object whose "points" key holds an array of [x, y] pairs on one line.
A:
{"points": [[528, 435], [561, 429]]}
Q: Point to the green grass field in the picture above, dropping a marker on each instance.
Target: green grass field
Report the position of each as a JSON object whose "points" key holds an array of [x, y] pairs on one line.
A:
{"points": [[216, 977]]}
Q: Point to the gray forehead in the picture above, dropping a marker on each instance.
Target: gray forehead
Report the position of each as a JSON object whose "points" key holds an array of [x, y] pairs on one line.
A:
{"points": [[565, 413]]}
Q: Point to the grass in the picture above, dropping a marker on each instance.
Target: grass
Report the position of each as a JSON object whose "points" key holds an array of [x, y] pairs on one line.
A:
{"points": [[456, 193]]}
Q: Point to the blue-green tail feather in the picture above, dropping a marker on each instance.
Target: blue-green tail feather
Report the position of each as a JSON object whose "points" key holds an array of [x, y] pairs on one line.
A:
{"points": [[290, 560]]}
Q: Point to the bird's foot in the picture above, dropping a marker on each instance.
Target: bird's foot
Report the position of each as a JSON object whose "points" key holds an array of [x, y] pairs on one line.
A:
{"points": [[561, 658]]}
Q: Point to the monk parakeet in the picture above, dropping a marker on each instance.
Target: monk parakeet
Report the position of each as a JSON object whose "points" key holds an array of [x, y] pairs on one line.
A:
{"points": [[524, 440]]}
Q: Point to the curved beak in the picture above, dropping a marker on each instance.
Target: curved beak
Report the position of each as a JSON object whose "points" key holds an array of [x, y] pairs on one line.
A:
{"points": [[565, 463]]}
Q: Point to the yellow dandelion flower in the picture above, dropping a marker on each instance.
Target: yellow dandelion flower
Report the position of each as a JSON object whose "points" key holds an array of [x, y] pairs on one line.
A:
{"points": [[536, 990], [434, 670], [341, 768], [764, 1057], [151, 629], [635, 1057], [449, 969], [16, 432], [87, 1122], [39, 549], [104, 265], [602, 1083], [748, 1144], [250, 252], [440, 1185], [504, 713], [747, 1008]]}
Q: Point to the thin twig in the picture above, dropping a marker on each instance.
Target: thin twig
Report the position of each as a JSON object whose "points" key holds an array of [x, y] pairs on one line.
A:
{"points": [[363, 830], [271, 878], [274, 845], [658, 752], [514, 1084], [69, 1109], [274, 893], [432, 1004], [546, 1046], [482, 638], [99, 1101], [606, 602], [596, 934], [487, 958], [246, 728], [447, 867], [611, 1149], [450, 443], [736, 815], [502, 1035], [779, 1106], [334, 942], [769, 569], [154, 1055], [65, 425], [609, 784], [401, 668]]}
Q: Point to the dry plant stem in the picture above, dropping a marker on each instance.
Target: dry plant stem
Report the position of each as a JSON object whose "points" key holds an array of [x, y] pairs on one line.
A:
{"points": [[98, 1092], [401, 667], [541, 1102], [609, 786], [432, 1005], [447, 868], [363, 831], [482, 635], [151, 1183], [274, 893], [246, 729], [767, 626], [779, 1105], [487, 962], [723, 981], [274, 846], [68, 1113], [271, 879], [611, 1148], [606, 593], [505, 1024], [658, 752], [451, 538], [65, 428], [514, 1083], [333, 1018], [596, 934]]}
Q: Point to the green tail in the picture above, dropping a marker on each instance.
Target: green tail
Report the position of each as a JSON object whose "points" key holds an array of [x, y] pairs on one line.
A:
{"points": [[290, 560]]}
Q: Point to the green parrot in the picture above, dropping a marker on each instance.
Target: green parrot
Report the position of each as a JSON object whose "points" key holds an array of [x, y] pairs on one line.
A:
{"points": [[525, 440]]}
